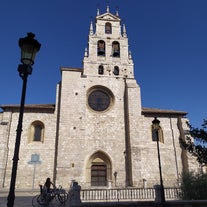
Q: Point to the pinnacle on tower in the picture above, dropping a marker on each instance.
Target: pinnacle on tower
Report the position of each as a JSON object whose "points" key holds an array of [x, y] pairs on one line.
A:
{"points": [[130, 55], [86, 52], [117, 12], [107, 9], [98, 12], [91, 28], [124, 31]]}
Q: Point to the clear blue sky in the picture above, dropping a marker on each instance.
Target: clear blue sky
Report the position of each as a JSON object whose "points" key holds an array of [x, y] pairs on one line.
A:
{"points": [[168, 40]]}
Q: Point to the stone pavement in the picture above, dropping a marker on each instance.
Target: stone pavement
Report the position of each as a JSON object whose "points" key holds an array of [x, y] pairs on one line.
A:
{"points": [[24, 199]]}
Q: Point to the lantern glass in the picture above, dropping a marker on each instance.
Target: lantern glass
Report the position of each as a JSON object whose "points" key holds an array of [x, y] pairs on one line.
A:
{"points": [[28, 53], [29, 48], [155, 124]]}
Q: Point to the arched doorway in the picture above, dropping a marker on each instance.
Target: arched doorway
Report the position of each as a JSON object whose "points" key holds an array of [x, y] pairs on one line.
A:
{"points": [[99, 170]]}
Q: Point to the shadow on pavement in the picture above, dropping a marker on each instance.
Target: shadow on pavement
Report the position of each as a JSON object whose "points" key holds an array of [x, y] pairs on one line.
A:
{"points": [[20, 201]]}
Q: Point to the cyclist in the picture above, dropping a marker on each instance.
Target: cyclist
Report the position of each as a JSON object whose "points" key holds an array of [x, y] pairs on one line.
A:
{"points": [[47, 186], [48, 191]]}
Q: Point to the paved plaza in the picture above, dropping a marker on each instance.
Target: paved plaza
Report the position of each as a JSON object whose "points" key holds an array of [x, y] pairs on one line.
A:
{"points": [[24, 199]]}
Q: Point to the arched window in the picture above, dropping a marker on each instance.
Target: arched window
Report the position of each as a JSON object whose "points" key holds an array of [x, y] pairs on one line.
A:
{"points": [[98, 171], [101, 48], [36, 133], [116, 70], [115, 49], [158, 133], [100, 70], [108, 28]]}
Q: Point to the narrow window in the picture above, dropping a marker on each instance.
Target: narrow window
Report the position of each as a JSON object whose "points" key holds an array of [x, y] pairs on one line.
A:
{"points": [[36, 132], [101, 48], [100, 70], [115, 49], [108, 29], [116, 70]]}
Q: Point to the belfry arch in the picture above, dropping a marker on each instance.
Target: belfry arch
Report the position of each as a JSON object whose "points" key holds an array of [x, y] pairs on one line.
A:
{"points": [[99, 169]]}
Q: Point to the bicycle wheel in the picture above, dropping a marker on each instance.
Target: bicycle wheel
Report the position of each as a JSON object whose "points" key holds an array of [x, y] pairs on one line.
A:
{"points": [[41, 200], [62, 197], [34, 201]]}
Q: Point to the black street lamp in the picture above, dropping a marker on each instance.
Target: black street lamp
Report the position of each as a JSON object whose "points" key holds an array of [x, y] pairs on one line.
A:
{"points": [[155, 128], [115, 176], [29, 47]]}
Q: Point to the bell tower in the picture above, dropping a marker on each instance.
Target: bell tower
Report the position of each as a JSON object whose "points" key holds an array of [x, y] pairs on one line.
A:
{"points": [[108, 50]]}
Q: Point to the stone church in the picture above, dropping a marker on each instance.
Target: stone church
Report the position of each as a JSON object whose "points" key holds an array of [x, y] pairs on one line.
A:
{"points": [[97, 133]]}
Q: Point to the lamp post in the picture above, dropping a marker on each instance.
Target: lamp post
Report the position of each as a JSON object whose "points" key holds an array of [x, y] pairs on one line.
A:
{"points": [[115, 176], [155, 127], [29, 47]]}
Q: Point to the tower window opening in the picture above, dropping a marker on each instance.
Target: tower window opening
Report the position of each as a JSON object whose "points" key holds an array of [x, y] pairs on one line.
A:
{"points": [[101, 48], [116, 70], [115, 49], [100, 70], [108, 28]]}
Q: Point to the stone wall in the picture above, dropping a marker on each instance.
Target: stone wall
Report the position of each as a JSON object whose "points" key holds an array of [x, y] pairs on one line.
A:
{"points": [[29, 175]]}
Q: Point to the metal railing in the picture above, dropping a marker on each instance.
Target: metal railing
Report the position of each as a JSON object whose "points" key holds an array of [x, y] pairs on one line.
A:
{"points": [[126, 194]]}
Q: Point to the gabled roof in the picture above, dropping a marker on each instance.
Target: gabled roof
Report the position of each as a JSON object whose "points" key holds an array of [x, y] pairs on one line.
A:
{"points": [[108, 16]]}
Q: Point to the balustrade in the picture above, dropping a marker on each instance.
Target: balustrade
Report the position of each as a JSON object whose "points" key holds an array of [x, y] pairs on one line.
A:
{"points": [[126, 194]]}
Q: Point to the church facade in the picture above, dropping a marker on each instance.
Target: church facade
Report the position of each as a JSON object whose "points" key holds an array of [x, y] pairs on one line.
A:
{"points": [[97, 132]]}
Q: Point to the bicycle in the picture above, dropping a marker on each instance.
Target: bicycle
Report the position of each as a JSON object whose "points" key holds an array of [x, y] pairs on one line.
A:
{"points": [[58, 195]]}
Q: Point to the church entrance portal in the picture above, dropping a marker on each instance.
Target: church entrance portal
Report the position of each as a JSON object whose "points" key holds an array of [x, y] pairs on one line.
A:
{"points": [[99, 171]]}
